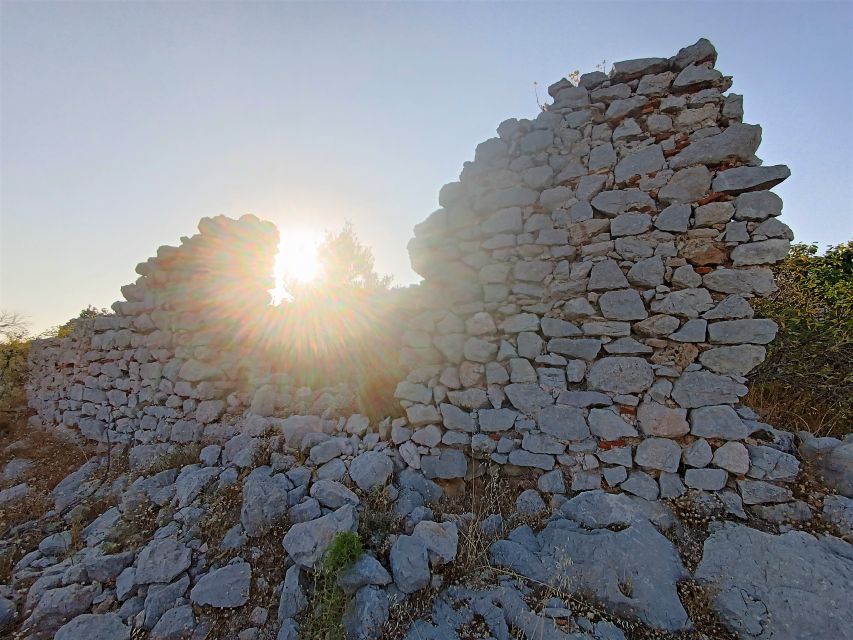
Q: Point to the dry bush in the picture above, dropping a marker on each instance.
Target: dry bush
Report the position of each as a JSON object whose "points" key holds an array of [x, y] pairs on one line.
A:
{"points": [[222, 511], [177, 458], [799, 408], [13, 376]]}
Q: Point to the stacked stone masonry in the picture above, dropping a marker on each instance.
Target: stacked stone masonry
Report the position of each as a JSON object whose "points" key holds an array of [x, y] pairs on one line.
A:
{"points": [[585, 306], [175, 355], [587, 288]]}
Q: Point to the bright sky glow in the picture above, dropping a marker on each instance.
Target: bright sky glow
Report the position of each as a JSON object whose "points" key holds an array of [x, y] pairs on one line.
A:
{"points": [[296, 260]]}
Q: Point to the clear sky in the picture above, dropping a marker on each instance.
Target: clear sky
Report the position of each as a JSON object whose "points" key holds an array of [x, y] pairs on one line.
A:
{"points": [[124, 123]]}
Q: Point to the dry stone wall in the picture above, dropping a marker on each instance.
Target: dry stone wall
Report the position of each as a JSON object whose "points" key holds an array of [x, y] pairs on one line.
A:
{"points": [[175, 354], [587, 287], [194, 353], [585, 308]]}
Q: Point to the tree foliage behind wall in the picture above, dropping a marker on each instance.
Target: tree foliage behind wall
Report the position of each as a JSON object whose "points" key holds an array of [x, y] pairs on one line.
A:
{"points": [[342, 327], [63, 330], [807, 380]]}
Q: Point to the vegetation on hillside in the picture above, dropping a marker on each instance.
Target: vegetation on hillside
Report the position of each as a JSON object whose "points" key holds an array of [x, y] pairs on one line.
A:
{"points": [[15, 342], [14, 347], [807, 380]]}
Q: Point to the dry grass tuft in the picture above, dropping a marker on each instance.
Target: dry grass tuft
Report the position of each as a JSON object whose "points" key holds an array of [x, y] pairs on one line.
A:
{"points": [[19, 542], [490, 493], [222, 511], [135, 529], [53, 458], [696, 599], [178, 458], [690, 533], [378, 521], [403, 614]]}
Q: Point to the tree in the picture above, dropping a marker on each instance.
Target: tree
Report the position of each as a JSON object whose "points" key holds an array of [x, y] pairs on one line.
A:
{"points": [[341, 327], [12, 324], [63, 330], [347, 263]]}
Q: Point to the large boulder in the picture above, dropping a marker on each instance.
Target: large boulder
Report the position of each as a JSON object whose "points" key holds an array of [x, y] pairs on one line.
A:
{"points": [[832, 460], [633, 571], [370, 470], [264, 500], [176, 624], [784, 587], [366, 614], [162, 560], [56, 606], [94, 627], [7, 613], [410, 564], [306, 542], [224, 588]]}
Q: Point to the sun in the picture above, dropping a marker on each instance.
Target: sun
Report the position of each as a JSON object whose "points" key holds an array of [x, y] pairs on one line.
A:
{"points": [[296, 261]]}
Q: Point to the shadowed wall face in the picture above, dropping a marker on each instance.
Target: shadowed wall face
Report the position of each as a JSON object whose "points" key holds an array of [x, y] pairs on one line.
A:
{"points": [[588, 283]]}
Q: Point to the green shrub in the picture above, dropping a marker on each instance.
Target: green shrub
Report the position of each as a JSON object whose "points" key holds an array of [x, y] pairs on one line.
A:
{"points": [[328, 603], [345, 549], [806, 382]]}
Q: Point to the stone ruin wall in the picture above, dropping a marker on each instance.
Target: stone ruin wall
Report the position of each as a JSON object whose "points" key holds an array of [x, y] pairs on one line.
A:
{"points": [[585, 305], [184, 349], [588, 279]]}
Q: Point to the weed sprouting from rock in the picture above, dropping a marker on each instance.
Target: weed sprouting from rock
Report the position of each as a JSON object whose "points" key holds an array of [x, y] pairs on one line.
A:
{"points": [[328, 602]]}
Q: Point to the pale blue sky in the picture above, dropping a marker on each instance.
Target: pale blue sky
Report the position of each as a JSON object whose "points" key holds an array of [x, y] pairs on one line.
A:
{"points": [[124, 123]]}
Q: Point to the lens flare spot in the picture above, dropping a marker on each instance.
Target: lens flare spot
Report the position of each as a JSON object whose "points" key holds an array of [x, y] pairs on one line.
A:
{"points": [[296, 262]]}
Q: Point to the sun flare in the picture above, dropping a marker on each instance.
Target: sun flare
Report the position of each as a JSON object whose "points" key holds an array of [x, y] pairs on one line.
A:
{"points": [[296, 261]]}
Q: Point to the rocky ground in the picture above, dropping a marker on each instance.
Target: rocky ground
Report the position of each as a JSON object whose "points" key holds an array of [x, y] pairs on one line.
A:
{"points": [[234, 541]]}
